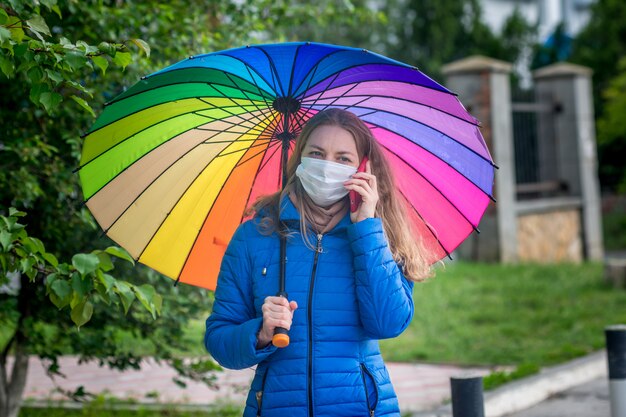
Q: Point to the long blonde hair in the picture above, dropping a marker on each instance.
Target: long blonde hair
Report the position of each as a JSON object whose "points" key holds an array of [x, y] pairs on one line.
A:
{"points": [[404, 242]]}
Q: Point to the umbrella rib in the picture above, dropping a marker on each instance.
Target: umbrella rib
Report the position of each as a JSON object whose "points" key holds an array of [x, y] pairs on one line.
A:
{"points": [[115, 100], [269, 106], [432, 232], [241, 150], [294, 125], [435, 188], [214, 119], [315, 101], [205, 219], [231, 113], [275, 144], [274, 70], [391, 64], [314, 70], [148, 186], [256, 176], [293, 68], [242, 107], [142, 130], [173, 206], [401, 99], [262, 110]]}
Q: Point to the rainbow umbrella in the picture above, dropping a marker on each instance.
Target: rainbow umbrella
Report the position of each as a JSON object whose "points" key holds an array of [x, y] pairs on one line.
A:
{"points": [[172, 163]]}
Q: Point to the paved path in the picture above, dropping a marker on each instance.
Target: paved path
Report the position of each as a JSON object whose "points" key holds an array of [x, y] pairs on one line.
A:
{"points": [[586, 400], [419, 386]]}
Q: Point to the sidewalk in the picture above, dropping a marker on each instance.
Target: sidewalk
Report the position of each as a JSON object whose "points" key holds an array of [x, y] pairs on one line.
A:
{"points": [[419, 386], [423, 390]]}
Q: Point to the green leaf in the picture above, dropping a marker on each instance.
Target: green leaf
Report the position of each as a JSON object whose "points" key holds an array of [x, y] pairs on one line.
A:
{"points": [[145, 294], [5, 239], [82, 103], [124, 290], [105, 261], [120, 253], [36, 91], [62, 292], [38, 25], [57, 10], [51, 259], [50, 101], [107, 48], [81, 285], [54, 76], [13, 212], [3, 16], [142, 45], [85, 263], [5, 34], [107, 280], [17, 33], [7, 66], [82, 313], [101, 63], [35, 75], [26, 264], [75, 59], [122, 59], [35, 245]]}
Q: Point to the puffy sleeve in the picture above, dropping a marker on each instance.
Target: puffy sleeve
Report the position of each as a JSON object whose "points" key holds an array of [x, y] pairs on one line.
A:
{"points": [[232, 327], [384, 295]]}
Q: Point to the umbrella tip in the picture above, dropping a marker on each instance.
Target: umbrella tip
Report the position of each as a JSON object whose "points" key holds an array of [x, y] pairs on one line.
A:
{"points": [[83, 135], [176, 282], [143, 77], [191, 57], [495, 166]]}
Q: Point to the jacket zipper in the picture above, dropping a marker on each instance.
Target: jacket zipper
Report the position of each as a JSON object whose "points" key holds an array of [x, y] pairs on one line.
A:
{"points": [[259, 394], [364, 371], [318, 250]]}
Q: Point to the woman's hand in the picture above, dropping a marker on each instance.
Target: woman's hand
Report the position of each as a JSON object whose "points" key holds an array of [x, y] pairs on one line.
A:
{"points": [[364, 183], [277, 312]]}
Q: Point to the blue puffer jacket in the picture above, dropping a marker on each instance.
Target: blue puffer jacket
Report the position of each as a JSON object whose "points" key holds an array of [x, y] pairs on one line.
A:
{"points": [[349, 293]]}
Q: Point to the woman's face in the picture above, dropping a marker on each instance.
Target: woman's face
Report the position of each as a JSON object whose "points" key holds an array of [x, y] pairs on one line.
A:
{"points": [[332, 143]]}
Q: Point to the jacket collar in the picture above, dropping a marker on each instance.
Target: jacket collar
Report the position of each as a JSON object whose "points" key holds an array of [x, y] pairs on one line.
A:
{"points": [[290, 214]]}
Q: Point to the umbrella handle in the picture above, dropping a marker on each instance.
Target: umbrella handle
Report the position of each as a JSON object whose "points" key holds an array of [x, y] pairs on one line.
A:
{"points": [[281, 335]]}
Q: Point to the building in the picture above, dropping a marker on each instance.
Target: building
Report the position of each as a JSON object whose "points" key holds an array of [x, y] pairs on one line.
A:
{"points": [[546, 13]]}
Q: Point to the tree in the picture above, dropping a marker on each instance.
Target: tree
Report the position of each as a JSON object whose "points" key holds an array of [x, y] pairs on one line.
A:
{"points": [[59, 61], [601, 45], [431, 33], [612, 131]]}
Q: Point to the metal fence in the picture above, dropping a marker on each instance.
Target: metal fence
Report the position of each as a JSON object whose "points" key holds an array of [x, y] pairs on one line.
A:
{"points": [[535, 147]]}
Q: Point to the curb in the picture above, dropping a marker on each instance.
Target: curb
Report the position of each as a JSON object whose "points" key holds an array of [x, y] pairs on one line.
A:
{"points": [[524, 393]]}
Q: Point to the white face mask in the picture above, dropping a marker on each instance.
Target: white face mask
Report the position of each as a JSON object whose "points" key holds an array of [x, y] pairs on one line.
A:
{"points": [[323, 180]]}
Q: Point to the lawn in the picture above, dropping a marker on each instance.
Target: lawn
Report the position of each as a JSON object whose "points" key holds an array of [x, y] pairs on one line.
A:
{"points": [[491, 314], [509, 315]]}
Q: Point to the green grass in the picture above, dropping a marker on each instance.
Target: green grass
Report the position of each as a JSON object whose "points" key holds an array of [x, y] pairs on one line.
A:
{"points": [[489, 314]]}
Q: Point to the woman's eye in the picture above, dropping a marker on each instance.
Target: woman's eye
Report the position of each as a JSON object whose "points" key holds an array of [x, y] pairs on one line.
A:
{"points": [[345, 159], [315, 153]]}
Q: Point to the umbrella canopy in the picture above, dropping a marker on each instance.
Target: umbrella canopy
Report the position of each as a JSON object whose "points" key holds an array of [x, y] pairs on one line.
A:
{"points": [[172, 163]]}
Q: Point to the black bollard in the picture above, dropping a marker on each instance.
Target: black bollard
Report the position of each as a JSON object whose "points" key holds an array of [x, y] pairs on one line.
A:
{"points": [[467, 397], [616, 353]]}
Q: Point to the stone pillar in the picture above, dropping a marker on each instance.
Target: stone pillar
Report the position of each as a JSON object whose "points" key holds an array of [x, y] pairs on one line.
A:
{"points": [[483, 86], [567, 87]]}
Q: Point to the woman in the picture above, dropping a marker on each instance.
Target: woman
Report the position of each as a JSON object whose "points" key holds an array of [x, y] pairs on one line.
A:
{"points": [[349, 278]]}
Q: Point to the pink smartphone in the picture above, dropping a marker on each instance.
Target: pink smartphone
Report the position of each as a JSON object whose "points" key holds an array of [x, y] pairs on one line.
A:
{"points": [[355, 198]]}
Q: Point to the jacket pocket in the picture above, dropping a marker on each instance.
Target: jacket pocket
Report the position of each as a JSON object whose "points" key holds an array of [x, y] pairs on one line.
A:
{"points": [[259, 394], [370, 388]]}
